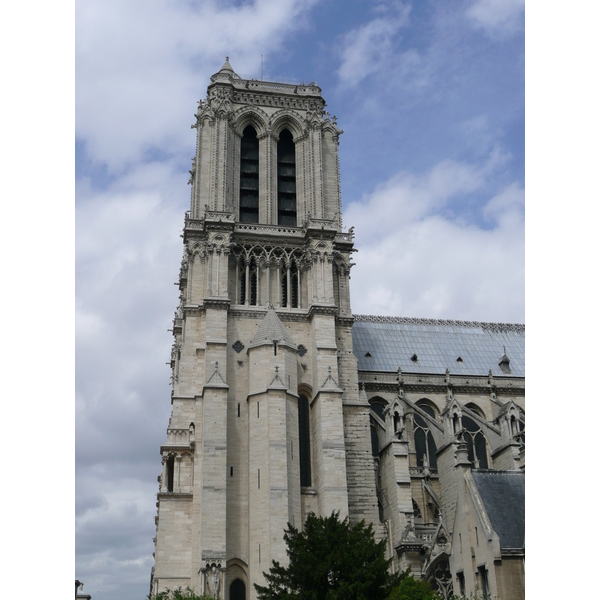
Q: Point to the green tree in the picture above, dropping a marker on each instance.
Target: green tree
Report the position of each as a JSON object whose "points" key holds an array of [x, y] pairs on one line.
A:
{"points": [[413, 589], [330, 560], [179, 594]]}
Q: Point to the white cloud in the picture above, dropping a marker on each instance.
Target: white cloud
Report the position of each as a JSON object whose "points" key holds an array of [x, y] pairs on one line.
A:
{"points": [[497, 17], [370, 48], [415, 262], [140, 72]]}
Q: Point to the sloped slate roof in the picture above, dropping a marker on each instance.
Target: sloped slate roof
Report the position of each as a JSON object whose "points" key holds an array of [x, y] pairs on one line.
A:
{"points": [[503, 495], [271, 329], [392, 341]]}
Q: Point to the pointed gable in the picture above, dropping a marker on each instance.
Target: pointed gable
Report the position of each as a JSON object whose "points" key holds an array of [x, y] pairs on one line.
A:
{"points": [[271, 330]]}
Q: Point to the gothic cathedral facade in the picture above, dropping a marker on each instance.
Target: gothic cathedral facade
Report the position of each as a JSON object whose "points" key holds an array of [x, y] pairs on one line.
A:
{"points": [[285, 403]]}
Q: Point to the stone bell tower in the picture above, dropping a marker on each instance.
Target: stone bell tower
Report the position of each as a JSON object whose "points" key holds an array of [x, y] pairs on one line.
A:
{"points": [[267, 424]]}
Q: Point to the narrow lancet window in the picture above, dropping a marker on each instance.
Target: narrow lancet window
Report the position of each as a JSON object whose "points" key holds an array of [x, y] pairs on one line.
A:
{"points": [[286, 180], [249, 177], [170, 472], [424, 442], [304, 435]]}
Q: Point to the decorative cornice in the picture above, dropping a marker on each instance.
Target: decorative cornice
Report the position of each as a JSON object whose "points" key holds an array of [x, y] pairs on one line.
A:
{"points": [[322, 309], [344, 321], [175, 495], [216, 302]]}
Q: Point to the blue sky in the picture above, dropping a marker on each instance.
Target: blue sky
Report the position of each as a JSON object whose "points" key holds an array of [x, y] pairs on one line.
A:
{"points": [[430, 96]]}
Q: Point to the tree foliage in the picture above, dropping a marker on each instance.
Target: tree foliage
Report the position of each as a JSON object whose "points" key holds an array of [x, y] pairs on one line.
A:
{"points": [[330, 560], [413, 589], [179, 594]]}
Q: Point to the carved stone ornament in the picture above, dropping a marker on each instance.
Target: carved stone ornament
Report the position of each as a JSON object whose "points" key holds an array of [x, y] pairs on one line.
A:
{"points": [[213, 582]]}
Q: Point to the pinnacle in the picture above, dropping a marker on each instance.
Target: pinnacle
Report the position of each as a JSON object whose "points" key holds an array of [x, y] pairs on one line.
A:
{"points": [[226, 66]]}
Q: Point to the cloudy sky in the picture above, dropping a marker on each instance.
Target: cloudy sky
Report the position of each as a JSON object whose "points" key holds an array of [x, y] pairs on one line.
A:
{"points": [[430, 95]]}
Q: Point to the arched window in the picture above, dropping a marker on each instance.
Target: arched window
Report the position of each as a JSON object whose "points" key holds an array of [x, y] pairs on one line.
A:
{"points": [[374, 441], [476, 409], [249, 176], [286, 179], [377, 406], [476, 444], [424, 442], [304, 435], [417, 512], [237, 590], [441, 578]]}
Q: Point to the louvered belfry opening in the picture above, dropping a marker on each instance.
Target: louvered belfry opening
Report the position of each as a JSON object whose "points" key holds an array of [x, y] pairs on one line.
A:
{"points": [[249, 177], [286, 180]]}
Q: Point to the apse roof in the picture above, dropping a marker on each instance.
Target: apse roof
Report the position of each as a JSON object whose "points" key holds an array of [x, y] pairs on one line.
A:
{"points": [[503, 495], [432, 346]]}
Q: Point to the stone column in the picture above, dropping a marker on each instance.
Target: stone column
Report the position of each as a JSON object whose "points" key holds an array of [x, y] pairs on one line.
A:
{"points": [[323, 279], [289, 285], [268, 267], [247, 299], [163, 477], [210, 272], [237, 280], [176, 478], [258, 282], [279, 283], [218, 271], [188, 289], [313, 270]]}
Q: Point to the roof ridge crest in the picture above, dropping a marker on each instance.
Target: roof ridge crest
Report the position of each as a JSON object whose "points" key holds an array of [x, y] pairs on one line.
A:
{"points": [[428, 321]]}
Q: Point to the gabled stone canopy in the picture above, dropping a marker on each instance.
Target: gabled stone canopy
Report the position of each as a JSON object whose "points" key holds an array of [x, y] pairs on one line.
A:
{"points": [[271, 330]]}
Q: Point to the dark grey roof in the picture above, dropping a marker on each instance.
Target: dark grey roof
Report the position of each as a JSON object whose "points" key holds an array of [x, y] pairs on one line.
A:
{"points": [[503, 495], [392, 341]]}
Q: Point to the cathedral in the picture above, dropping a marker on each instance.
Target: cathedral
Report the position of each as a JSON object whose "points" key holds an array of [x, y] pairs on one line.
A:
{"points": [[284, 402]]}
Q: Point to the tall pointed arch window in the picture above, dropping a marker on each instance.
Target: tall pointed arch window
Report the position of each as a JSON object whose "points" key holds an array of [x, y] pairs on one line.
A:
{"points": [[424, 442], [476, 444], [286, 180], [249, 176]]}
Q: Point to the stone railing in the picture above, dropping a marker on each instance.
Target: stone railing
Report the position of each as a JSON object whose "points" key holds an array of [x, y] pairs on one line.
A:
{"points": [[419, 471], [193, 223], [219, 215], [425, 532], [289, 88], [313, 223], [345, 237], [268, 229], [178, 437]]}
